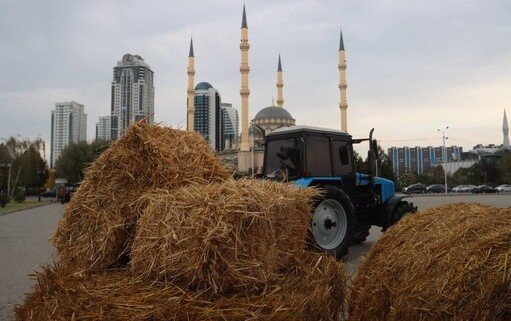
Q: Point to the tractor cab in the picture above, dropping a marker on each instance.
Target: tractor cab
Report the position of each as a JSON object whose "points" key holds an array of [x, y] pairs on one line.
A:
{"points": [[352, 202]]}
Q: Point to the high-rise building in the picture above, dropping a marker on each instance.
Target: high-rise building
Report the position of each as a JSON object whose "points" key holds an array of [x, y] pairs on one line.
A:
{"points": [[132, 94], [230, 124], [422, 159], [68, 126], [208, 115], [104, 128]]}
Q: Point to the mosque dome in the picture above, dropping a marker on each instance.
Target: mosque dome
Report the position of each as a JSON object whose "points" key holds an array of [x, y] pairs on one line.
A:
{"points": [[273, 112], [273, 117], [203, 86]]}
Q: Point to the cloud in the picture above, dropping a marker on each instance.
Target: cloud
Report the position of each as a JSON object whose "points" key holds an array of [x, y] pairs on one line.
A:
{"points": [[412, 65]]}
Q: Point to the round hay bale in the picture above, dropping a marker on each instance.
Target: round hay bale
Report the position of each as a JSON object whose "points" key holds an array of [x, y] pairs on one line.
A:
{"points": [[447, 263], [312, 290], [233, 235], [97, 228]]}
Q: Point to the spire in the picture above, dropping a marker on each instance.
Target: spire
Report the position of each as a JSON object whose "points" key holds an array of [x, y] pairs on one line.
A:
{"points": [[273, 101], [280, 65], [505, 130], [341, 43], [244, 19], [191, 48]]}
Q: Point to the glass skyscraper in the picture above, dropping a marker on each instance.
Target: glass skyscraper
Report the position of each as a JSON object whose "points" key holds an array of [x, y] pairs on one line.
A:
{"points": [[132, 94]]}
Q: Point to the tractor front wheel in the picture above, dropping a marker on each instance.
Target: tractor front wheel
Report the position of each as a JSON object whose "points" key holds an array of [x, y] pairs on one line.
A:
{"points": [[332, 224]]}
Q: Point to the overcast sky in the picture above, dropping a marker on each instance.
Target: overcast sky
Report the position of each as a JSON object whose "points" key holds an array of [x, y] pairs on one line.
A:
{"points": [[413, 66]]}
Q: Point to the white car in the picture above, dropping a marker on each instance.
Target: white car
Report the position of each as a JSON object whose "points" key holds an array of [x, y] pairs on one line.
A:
{"points": [[504, 188], [458, 188], [468, 188]]}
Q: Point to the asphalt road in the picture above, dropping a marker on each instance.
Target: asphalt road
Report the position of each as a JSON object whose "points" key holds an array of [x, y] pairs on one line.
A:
{"points": [[24, 243], [24, 247]]}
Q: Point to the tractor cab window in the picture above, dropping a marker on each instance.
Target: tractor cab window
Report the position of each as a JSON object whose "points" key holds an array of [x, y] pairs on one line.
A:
{"points": [[283, 159], [318, 156], [341, 153]]}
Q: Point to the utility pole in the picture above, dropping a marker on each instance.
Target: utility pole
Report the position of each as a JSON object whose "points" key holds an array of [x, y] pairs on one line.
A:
{"points": [[444, 157]]}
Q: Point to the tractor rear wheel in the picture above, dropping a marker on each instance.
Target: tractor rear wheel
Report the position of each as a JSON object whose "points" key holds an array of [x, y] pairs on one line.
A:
{"points": [[333, 222]]}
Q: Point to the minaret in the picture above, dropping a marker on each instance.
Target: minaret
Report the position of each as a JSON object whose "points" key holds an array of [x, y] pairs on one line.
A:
{"points": [[280, 85], [244, 91], [505, 130], [190, 110], [343, 101]]}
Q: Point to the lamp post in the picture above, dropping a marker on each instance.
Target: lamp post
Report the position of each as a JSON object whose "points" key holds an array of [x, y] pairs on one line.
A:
{"points": [[444, 157]]}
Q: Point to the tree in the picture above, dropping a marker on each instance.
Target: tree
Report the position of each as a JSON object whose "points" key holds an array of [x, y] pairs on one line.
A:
{"points": [[28, 168], [75, 158], [504, 167], [385, 168], [358, 162]]}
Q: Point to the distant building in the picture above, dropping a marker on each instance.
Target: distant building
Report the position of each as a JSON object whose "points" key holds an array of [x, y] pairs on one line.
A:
{"points": [[68, 126], [132, 94], [104, 128], [208, 115], [230, 124], [422, 159]]}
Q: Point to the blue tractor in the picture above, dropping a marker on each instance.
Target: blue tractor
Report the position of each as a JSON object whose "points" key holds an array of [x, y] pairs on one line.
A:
{"points": [[351, 202]]}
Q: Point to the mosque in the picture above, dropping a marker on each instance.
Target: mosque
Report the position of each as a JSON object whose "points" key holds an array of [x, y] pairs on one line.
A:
{"points": [[247, 152]]}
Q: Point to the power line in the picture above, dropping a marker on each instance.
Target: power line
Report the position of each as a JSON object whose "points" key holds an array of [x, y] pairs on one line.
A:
{"points": [[407, 139]]}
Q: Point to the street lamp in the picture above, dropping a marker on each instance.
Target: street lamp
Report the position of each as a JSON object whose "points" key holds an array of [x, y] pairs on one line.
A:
{"points": [[444, 157]]}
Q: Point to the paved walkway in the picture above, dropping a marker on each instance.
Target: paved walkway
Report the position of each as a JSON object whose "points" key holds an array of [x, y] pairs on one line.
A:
{"points": [[24, 247]]}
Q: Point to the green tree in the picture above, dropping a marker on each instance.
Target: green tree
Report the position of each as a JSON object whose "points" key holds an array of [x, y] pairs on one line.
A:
{"points": [[504, 167], [28, 168], [385, 168], [358, 162], [75, 158]]}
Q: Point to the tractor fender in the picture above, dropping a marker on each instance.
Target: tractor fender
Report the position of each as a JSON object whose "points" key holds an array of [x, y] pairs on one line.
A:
{"points": [[385, 215], [318, 181]]}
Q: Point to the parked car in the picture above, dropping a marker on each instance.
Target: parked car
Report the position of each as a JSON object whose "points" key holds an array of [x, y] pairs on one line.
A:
{"points": [[467, 188], [415, 189], [503, 188], [48, 193], [436, 188], [484, 189], [458, 188]]}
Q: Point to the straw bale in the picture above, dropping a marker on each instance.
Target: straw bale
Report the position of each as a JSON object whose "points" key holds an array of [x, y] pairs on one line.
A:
{"points": [[233, 235], [312, 290], [452, 262], [98, 226]]}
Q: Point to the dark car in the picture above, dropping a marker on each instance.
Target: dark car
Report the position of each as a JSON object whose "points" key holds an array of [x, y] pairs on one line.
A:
{"points": [[415, 189], [484, 189], [436, 188], [48, 193]]}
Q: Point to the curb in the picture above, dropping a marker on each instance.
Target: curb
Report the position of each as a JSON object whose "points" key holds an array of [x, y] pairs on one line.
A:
{"points": [[26, 208]]}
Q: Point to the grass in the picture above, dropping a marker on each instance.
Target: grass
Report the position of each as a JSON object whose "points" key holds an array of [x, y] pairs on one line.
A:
{"points": [[13, 206]]}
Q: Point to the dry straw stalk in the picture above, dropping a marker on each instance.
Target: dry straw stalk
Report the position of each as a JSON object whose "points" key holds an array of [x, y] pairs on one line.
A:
{"points": [[447, 263], [312, 290], [98, 226], [222, 237]]}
